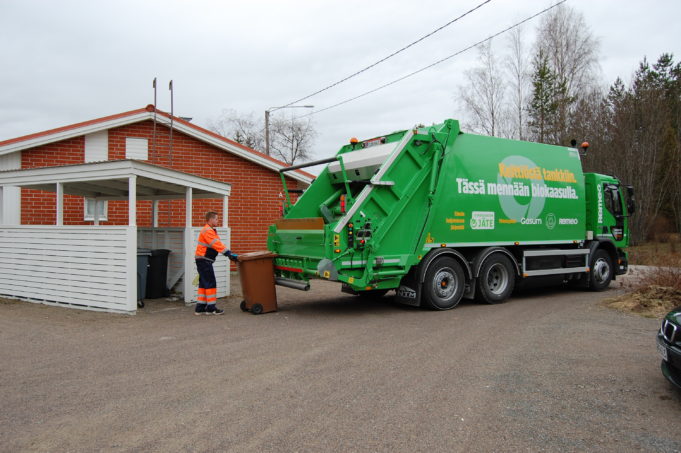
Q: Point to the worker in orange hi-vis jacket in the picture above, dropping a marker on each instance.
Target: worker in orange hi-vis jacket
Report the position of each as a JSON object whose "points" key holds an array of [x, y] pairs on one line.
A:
{"points": [[206, 252]]}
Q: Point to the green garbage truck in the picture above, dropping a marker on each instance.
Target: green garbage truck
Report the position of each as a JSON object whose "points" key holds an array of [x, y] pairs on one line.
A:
{"points": [[438, 215]]}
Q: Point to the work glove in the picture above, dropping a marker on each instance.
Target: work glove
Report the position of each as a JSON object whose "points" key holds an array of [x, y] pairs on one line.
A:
{"points": [[230, 255]]}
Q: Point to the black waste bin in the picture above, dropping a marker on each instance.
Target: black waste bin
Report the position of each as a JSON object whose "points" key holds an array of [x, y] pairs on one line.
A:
{"points": [[158, 274], [142, 268]]}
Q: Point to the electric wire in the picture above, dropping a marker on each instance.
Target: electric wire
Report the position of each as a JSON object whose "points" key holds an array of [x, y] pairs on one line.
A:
{"points": [[385, 58], [442, 60]]}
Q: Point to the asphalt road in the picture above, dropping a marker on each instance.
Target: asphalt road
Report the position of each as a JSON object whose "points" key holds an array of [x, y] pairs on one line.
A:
{"points": [[547, 371]]}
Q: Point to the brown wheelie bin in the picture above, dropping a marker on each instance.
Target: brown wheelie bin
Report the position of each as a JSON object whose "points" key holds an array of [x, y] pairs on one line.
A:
{"points": [[256, 273]]}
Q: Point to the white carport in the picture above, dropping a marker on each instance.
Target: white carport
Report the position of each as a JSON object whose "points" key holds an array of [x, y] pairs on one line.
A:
{"points": [[95, 266]]}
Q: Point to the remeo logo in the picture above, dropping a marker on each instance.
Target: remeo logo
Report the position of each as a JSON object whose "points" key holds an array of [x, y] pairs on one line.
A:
{"points": [[571, 221], [550, 220], [482, 220]]}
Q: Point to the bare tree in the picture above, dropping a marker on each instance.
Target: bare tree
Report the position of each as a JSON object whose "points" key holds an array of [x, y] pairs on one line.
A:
{"points": [[518, 68], [291, 138], [242, 128], [483, 96], [572, 53]]}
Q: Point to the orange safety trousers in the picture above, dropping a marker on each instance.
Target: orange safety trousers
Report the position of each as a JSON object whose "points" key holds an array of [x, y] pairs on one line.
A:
{"points": [[207, 293]]}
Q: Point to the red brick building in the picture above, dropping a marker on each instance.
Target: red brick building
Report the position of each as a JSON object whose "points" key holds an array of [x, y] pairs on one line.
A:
{"points": [[148, 136]]}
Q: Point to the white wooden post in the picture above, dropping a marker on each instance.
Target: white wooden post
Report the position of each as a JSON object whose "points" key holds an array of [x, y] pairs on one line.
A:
{"points": [[154, 213], [225, 211], [188, 248], [60, 204], [96, 214], [132, 201], [131, 268]]}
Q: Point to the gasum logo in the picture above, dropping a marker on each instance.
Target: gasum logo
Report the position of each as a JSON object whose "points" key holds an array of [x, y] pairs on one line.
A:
{"points": [[482, 220]]}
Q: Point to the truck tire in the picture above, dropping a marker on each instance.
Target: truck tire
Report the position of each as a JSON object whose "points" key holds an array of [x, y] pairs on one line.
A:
{"points": [[601, 271], [496, 280], [444, 284]]}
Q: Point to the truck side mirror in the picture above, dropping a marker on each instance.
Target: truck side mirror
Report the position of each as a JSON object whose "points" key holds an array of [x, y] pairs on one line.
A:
{"points": [[631, 200]]}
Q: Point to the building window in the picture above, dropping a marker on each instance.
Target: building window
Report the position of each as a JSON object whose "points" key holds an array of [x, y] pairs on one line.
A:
{"points": [[136, 148], [90, 209], [97, 147]]}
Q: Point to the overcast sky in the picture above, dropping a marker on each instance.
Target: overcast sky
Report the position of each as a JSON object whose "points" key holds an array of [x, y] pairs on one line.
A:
{"points": [[69, 61]]}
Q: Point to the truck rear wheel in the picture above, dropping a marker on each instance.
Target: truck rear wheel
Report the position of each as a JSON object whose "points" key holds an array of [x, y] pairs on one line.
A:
{"points": [[496, 280], [601, 271], [444, 284]]}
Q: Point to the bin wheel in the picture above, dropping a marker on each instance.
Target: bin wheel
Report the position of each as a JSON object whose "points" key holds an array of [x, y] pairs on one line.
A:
{"points": [[140, 303], [256, 309], [242, 305]]}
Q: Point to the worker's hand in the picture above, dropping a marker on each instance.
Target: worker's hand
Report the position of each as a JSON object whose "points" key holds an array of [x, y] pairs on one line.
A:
{"points": [[230, 255]]}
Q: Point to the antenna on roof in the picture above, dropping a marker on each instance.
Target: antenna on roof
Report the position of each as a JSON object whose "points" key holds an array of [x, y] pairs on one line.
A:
{"points": [[172, 114], [153, 140]]}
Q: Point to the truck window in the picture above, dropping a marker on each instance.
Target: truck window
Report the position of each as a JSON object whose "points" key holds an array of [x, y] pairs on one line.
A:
{"points": [[612, 200]]}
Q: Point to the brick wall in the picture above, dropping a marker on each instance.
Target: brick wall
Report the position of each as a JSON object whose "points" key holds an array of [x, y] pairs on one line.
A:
{"points": [[254, 203]]}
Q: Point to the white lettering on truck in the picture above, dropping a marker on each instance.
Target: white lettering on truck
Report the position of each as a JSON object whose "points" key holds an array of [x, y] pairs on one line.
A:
{"points": [[470, 187]]}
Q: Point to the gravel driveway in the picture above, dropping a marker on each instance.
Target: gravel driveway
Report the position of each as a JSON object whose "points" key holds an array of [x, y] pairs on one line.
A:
{"points": [[552, 370]]}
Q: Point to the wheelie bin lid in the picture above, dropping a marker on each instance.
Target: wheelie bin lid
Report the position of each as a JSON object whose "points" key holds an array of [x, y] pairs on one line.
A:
{"points": [[250, 256], [143, 252]]}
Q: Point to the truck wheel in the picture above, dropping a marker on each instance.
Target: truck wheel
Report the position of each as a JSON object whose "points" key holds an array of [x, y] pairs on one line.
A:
{"points": [[601, 271], [496, 280], [444, 284]]}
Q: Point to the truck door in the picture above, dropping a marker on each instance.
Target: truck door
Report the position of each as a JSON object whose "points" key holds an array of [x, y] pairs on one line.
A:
{"points": [[613, 203]]}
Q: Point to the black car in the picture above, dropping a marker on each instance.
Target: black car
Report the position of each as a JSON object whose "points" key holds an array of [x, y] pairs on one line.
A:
{"points": [[669, 346]]}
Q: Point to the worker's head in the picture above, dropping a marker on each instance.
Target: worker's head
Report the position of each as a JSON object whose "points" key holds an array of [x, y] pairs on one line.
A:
{"points": [[212, 218]]}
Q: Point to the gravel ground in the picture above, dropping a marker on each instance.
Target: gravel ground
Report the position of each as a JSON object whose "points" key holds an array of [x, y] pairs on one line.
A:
{"points": [[550, 370]]}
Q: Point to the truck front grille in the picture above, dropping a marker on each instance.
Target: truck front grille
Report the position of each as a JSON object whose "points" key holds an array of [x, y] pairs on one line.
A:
{"points": [[670, 331]]}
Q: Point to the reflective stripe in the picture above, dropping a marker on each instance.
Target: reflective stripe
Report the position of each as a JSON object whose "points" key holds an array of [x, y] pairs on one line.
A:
{"points": [[212, 242], [200, 257], [206, 245]]}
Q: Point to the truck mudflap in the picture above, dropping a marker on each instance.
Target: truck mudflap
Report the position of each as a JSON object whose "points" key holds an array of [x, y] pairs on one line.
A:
{"points": [[409, 291]]}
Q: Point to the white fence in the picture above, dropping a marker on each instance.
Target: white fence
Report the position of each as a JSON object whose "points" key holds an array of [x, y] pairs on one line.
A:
{"points": [[173, 239], [82, 266]]}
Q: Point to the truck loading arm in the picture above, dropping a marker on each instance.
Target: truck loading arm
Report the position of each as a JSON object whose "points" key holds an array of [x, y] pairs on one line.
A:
{"points": [[375, 180]]}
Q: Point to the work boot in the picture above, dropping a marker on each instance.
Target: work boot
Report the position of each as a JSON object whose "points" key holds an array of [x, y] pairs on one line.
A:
{"points": [[211, 309], [200, 309]]}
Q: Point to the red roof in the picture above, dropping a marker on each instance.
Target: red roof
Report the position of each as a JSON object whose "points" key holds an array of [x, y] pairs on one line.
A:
{"points": [[149, 108]]}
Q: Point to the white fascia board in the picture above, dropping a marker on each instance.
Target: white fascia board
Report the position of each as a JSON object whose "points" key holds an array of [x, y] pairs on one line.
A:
{"points": [[231, 148], [170, 176], [102, 171], [71, 133]]}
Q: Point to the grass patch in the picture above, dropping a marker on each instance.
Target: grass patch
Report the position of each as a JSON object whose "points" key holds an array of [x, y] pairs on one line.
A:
{"points": [[651, 253], [656, 292]]}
